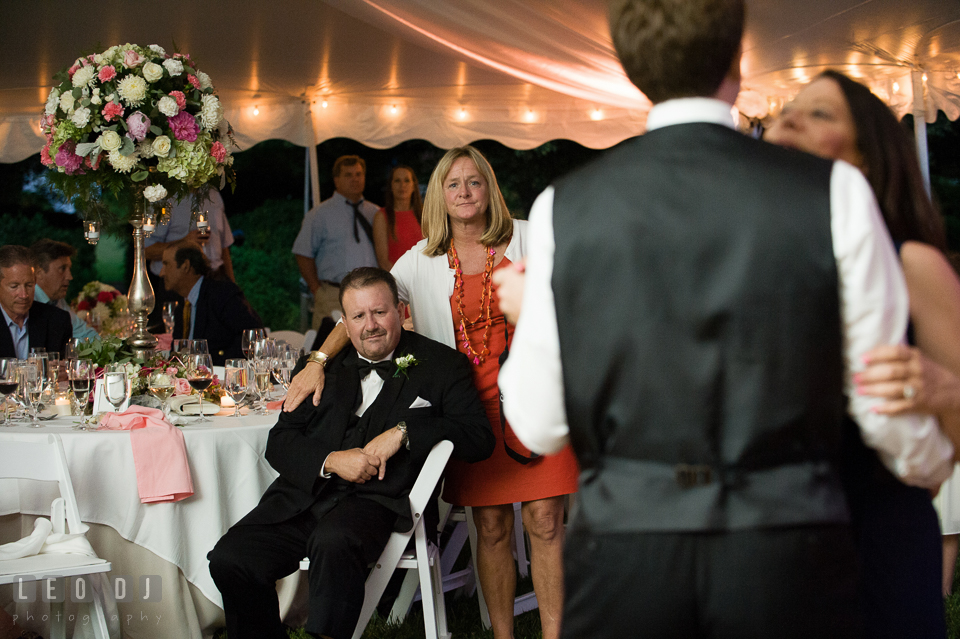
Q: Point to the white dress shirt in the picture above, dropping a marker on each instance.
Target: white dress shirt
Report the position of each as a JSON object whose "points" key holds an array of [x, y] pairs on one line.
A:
{"points": [[874, 309]]}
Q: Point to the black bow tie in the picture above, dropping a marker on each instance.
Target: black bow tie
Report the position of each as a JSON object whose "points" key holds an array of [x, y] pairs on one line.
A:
{"points": [[384, 369]]}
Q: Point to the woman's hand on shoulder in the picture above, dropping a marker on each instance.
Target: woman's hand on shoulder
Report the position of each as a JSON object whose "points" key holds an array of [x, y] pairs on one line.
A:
{"points": [[309, 380], [908, 381]]}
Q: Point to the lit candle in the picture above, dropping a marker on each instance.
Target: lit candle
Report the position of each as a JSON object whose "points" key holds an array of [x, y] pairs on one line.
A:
{"points": [[62, 406], [226, 402], [149, 224]]}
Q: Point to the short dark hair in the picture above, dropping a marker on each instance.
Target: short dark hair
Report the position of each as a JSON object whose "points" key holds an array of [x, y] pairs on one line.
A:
{"points": [[891, 166], [189, 252], [47, 250], [365, 276], [677, 48], [14, 255], [348, 160]]}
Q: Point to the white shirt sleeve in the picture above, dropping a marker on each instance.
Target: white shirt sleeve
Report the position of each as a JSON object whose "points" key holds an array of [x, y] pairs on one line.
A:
{"points": [[532, 378], [875, 310]]}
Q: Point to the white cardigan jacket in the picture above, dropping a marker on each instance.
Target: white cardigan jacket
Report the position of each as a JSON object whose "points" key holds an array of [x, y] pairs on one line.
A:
{"points": [[426, 284]]}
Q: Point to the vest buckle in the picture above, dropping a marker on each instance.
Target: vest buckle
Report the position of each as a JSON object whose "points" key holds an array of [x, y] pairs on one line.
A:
{"points": [[692, 475]]}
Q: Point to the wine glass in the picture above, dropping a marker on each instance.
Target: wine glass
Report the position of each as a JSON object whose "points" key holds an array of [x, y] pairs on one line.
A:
{"points": [[33, 385], [54, 368], [160, 385], [284, 363], [116, 385], [249, 338], [81, 375], [235, 382], [169, 316], [8, 381], [200, 376], [199, 347], [70, 350]]}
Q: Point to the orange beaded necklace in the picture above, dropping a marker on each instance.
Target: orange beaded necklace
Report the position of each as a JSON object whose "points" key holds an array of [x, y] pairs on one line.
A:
{"points": [[486, 295]]}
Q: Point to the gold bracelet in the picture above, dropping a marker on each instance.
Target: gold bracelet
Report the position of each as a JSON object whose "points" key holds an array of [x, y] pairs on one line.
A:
{"points": [[318, 357]]}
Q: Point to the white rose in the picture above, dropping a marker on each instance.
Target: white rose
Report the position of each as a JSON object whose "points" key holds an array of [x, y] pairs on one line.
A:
{"points": [[152, 71], [84, 76], [81, 117], [156, 48], [155, 193], [52, 101], [173, 67], [98, 59], [161, 146], [168, 106], [66, 103], [204, 79], [110, 141]]}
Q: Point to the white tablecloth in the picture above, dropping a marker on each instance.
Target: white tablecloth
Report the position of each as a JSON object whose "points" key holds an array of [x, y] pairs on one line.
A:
{"points": [[229, 476]]}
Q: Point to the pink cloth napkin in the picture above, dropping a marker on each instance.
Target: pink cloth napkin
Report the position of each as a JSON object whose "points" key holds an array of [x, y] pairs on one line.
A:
{"points": [[276, 405], [159, 453], [164, 341]]}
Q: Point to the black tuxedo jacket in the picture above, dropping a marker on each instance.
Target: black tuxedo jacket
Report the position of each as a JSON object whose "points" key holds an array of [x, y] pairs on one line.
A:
{"points": [[48, 326], [222, 314], [300, 442]]}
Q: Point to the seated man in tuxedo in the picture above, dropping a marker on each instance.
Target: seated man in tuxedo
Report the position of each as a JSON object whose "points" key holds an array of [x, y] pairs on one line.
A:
{"points": [[213, 310], [347, 466], [27, 325]]}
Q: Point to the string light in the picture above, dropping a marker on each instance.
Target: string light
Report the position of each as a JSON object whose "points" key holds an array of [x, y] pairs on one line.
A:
{"points": [[256, 110], [324, 104], [924, 77], [597, 114], [896, 87], [393, 109], [531, 116], [462, 114]]}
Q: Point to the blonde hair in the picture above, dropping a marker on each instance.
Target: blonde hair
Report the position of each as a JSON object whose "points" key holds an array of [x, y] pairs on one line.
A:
{"points": [[436, 221]]}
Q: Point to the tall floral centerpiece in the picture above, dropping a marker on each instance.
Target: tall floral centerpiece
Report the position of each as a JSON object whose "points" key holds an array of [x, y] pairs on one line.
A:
{"points": [[134, 123]]}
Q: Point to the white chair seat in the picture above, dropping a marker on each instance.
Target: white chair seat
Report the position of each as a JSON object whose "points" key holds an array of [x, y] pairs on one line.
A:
{"points": [[51, 565]]}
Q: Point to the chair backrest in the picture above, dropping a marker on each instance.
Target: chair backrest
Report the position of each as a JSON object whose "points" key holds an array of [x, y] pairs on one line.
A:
{"points": [[293, 338], [429, 477], [308, 339], [42, 460]]}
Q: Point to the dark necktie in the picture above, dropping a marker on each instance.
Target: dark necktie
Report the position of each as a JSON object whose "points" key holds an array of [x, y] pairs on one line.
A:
{"points": [[384, 369], [186, 319], [357, 217]]}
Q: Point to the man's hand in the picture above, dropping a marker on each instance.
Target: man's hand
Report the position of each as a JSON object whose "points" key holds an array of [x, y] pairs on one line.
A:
{"points": [[309, 380], [509, 283], [354, 465], [383, 447]]}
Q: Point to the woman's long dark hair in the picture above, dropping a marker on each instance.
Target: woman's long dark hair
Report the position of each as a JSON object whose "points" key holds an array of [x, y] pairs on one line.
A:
{"points": [[891, 166], [415, 200]]}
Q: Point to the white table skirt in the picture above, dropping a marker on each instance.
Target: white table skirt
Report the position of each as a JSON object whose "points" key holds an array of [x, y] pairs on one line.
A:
{"points": [[229, 476]]}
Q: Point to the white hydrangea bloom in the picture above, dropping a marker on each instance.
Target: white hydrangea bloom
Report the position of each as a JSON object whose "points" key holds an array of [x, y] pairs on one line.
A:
{"points": [[168, 106], [81, 117], [211, 112], [173, 67], [84, 76], [155, 192], [122, 163], [156, 48]]}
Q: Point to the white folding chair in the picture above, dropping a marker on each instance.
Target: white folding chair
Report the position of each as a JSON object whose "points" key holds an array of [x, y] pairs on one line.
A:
{"points": [[293, 338], [45, 461], [424, 557], [308, 338]]}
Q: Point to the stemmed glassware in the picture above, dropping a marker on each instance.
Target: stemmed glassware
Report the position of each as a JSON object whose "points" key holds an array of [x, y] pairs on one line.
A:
{"points": [[284, 363], [169, 317], [8, 382], [81, 374], [116, 385], [200, 376], [161, 386], [33, 384], [235, 382], [250, 337]]}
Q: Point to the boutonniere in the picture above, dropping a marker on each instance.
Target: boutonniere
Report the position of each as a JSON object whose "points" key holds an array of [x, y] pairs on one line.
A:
{"points": [[403, 364]]}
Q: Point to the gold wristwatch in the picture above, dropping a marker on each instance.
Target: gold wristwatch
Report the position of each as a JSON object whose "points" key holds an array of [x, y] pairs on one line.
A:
{"points": [[404, 441], [318, 357]]}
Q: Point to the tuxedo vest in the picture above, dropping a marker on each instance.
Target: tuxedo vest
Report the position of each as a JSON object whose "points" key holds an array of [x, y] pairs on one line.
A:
{"points": [[700, 334]]}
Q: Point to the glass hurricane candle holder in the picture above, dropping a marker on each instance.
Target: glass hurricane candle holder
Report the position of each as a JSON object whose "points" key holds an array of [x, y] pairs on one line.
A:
{"points": [[91, 231]]}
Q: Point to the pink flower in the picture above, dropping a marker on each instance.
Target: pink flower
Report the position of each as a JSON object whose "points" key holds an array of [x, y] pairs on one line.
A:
{"points": [[112, 110], [67, 159], [105, 296], [139, 125], [92, 164], [181, 386], [107, 73], [193, 80], [84, 305], [171, 371], [131, 58], [180, 98], [218, 152], [184, 127], [47, 123], [73, 69], [45, 158]]}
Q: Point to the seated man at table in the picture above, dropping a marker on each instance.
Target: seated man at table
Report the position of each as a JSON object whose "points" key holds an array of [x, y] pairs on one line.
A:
{"points": [[214, 310], [27, 325], [53, 264], [338, 498]]}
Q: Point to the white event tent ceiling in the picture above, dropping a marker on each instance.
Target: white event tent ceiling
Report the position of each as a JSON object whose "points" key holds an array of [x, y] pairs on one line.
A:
{"points": [[453, 71]]}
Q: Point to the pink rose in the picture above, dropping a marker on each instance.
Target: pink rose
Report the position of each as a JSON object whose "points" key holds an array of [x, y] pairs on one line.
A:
{"points": [[138, 125], [193, 80], [218, 152], [181, 386], [67, 159], [107, 73], [45, 158], [112, 110], [171, 371], [180, 98], [131, 58], [184, 127]]}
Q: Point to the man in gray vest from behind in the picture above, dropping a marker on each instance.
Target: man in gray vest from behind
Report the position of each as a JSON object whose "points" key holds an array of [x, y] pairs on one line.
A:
{"points": [[696, 304]]}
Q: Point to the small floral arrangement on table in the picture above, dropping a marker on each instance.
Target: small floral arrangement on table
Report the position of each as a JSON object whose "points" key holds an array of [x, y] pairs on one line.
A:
{"points": [[134, 117], [404, 363], [174, 372], [103, 307]]}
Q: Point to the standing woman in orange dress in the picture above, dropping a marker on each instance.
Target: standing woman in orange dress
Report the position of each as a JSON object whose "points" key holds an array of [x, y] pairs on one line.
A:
{"points": [[396, 227], [446, 280]]}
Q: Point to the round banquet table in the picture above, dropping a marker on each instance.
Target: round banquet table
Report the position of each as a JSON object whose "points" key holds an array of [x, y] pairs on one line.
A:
{"points": [[226, 460]]}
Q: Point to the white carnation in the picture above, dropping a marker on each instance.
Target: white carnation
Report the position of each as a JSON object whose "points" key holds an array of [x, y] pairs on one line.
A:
{"points": [[173, 67], [81, 117], [161, 146], [156, 48], [84, 76], [132, 90], [145, 149], [211, 112], [152, 71], [155, 192], [110, 141], [53, 100], [122, 163], [204, 79], [168, 106], [66, 103]]}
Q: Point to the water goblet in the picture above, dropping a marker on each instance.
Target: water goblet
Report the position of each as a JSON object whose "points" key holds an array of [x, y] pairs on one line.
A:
{"points": [[160, 385], [235, 382], [249, 338], [8, 383], [33, 385], [200, 376], [116, 386], [169, 316]]}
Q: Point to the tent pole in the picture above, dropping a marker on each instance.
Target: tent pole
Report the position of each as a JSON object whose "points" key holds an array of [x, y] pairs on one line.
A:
{"points": [[920, 126]]}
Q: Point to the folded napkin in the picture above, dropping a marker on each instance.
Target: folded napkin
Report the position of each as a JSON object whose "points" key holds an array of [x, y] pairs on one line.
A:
{"points": [[276, 405], [188, 405], [44, 541], [164, 341], [159, 454]]}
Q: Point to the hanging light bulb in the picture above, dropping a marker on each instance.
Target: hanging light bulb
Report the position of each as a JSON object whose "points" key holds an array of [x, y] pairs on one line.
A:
{"points": [[324, 104], [393, 110], [256, 110], [596, 115], [462, 114], [924, 77], [896, 87]]}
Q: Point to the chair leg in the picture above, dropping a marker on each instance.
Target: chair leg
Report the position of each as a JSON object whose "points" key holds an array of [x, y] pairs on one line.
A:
{"points": [[58, 620], [472, 529], [428, 592], [436, 585], [408, 592], [520, 547], [99, 619]]}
